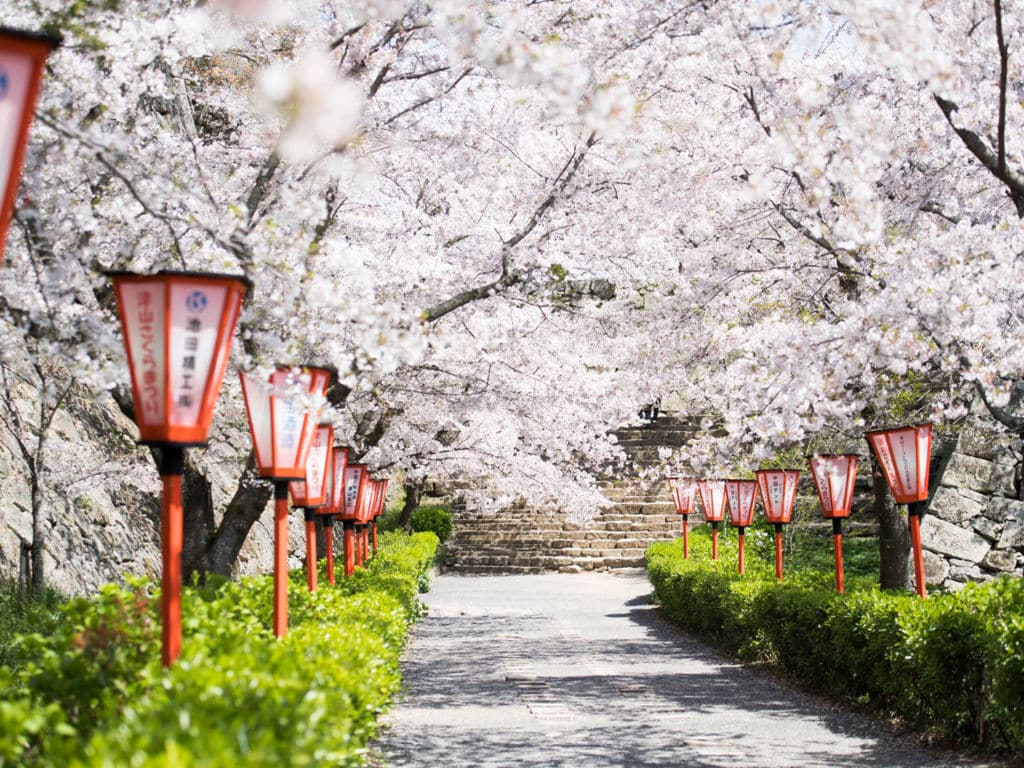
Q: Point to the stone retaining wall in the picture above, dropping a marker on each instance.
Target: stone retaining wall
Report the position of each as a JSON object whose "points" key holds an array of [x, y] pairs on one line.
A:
{"points": [[974, 530]]}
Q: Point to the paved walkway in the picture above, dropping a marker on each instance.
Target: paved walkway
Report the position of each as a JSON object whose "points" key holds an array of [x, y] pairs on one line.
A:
{"points": [[578, 670]]}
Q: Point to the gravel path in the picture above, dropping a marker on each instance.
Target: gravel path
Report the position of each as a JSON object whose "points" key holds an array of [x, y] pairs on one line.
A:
{"points": [[578, 670]]}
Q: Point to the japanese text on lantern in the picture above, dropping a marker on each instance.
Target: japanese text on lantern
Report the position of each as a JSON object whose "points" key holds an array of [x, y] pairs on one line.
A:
{"points": [[193, 326], [149, 383]]}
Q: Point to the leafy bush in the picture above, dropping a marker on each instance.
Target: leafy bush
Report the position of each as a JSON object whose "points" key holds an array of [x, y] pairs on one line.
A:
{"points": [[954, 662], [437, 520], [19, 615], [92, 692]]}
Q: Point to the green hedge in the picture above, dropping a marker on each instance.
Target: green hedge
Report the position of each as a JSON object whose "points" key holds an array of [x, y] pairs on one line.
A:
{"points": [[92, 693], [952, 663], [437, 520]]}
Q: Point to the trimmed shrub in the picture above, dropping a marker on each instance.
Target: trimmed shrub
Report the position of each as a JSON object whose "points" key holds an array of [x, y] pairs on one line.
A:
{"points": [[437, 520], [92, 692], [954, 662]]}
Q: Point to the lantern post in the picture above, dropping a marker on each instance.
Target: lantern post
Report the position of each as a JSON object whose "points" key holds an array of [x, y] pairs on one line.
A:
{"points": [[22, 58], [311, 494], [712, 497], [684, 489], [904, 454], [177, 329], [834, 477], [778, 494], [356, 477], [742, 496], [283, 411]]}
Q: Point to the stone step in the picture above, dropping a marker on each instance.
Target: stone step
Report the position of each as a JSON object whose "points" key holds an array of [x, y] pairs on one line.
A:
{"points": [[549, 562]]}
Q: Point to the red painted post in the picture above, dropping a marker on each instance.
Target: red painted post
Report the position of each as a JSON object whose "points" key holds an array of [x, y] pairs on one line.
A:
{"points": [[280, 558], [714, 541], [171, 538], [915, 543], [310, 550], [778, 551], [741, 562], [329, 541], [374, 536], [837, 543], [366, 544], [686, 537], [350, 546]]}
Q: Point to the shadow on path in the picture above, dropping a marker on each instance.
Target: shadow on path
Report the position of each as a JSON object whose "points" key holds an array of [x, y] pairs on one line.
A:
{"points": [[579, 670]]}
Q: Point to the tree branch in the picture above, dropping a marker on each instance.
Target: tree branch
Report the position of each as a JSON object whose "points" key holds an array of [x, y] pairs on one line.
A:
{"points": [[508, 276], [1004, 62], [983, 153]]}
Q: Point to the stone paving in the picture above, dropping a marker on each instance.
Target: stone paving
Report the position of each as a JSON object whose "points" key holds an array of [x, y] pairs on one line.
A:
{"points": [[579, 670]]}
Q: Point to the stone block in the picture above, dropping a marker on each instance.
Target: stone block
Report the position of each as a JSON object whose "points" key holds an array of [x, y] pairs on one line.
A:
{"points": [[936, 569], [953, 586], [990, 529], [981, 438], [1012, 536], [1004, 479], [1004, 510], [945, 538], [968, 472], [957, 505], [1004, 560], [962, 570]]}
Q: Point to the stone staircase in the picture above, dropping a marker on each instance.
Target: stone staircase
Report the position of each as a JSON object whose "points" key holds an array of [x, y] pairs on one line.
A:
{"points": [[528, 541]]}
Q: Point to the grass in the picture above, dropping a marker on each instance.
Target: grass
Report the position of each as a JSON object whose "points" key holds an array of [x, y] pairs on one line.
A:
{"points": [[20, 615]]}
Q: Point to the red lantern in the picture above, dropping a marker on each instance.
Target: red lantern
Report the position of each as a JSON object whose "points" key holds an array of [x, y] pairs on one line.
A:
{"points": [[834, 477], [177, 329], [380, 510], [335, 500], [904, 454], [312, 492], [712, 497], [282, 425], [356, 477], [684, 489], [283, 413], [22, 58], [778, 494], [742, 496]]}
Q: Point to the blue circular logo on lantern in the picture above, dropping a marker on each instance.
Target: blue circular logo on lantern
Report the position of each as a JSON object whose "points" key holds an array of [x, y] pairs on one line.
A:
{"points": [[3, 85], [196, 302]]}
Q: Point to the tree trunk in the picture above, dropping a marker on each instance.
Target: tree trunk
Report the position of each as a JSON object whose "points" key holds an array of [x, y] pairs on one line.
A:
{"points": [[38, 578], [197, 517], [24, 568], [412, 501], [893, 534], [242, 512]]}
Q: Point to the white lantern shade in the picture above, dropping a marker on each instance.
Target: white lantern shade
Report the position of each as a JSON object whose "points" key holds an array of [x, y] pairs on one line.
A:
{"points": [[177, 329], [336, 483], [356, 477], [742, 496], [314, 490], [904, 455], [712, 497], [283, 413], [684, 490], [22, 58], [778, 493], [834, 477]]}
